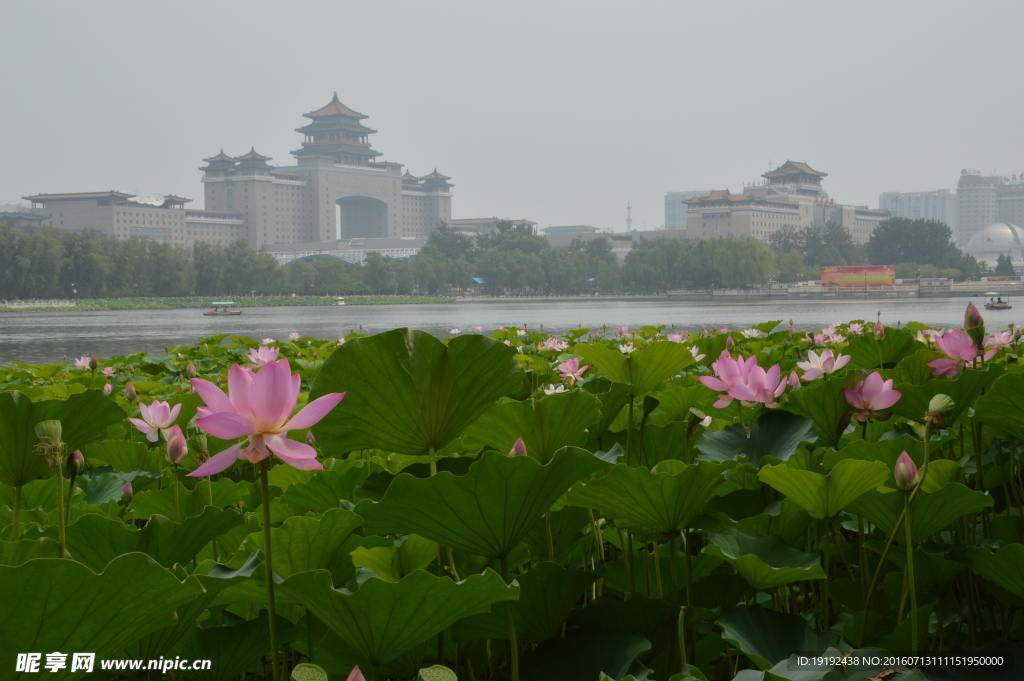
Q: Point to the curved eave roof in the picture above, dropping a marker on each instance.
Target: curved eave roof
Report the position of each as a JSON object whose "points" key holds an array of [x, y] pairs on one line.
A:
{"points": [[334, 108]]}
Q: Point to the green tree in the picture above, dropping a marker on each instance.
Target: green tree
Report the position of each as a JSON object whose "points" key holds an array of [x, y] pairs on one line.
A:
{"points": [[379, 273], [450, 242], [1004, 266], [919, 241], [791, 266]]}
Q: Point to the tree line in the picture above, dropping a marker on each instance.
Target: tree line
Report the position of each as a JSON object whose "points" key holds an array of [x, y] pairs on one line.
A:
{"points": [[52, 263]]}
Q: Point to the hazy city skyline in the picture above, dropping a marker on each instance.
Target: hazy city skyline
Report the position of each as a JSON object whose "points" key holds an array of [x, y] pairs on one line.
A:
{"points": [[555, 113]]}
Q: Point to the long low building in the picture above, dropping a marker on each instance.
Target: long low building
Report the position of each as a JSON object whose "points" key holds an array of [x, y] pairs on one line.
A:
{"points": [[123, 216], [349, 250]]}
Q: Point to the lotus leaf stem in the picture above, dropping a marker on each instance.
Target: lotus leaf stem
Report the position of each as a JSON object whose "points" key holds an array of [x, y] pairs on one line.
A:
{"points": [[269, 566]]}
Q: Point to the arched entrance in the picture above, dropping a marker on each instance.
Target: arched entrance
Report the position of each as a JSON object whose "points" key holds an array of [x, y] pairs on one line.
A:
{"points": [[362, 216]]}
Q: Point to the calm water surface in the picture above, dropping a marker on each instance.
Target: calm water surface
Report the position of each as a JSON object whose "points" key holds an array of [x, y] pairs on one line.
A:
{"points": [[40, 337]]}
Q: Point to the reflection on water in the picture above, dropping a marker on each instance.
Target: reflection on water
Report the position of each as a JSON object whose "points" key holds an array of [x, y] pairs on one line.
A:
{"points": [[38, 337]]}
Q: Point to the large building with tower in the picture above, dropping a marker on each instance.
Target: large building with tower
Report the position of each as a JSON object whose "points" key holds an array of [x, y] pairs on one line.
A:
{"points": [[337, 190], [790, 196]]}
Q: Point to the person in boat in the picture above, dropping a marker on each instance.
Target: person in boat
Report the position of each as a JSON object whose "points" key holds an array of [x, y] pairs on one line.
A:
{"points": [[999, 301]]}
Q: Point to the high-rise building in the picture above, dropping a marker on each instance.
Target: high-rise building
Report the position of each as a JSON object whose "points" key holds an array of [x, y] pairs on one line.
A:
{"points": [[935, 205], [675, 208], [790, 196], [975, 205]]}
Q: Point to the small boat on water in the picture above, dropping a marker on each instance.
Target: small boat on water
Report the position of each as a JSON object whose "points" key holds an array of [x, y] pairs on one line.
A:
{"points": [[222, 309], [995, 301], [339, 301]]}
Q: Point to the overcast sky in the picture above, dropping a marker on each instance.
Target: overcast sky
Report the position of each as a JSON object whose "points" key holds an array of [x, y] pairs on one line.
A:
{"points": [[555, 111]]}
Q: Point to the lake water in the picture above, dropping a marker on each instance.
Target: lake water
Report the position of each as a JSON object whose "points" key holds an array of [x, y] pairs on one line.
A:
{"points": [[42, 337]]}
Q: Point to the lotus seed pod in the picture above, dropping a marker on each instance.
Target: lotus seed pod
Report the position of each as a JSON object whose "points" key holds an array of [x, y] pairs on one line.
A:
{"points": [[312, 672], [941, 404], [197, 443], [49, 432]]}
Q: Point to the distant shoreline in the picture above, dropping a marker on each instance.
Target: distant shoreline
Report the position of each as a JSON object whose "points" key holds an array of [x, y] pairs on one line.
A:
{"points": [[108, 304]]}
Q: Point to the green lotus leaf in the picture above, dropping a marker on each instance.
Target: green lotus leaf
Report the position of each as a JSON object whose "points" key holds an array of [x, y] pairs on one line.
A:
{"points": [[488, 510], [95, 540], [192, 502], [546, 425], [642, 370], [99, 489], [1001, 407], [392, 563], [230, 649], [637, 614], [547, 595], [36, 494], [778, 434], [613, 397], [664, 501], [303, 543], [931, 511], [585, 657], [824, 402], [940, 471], [83, 417], [825, 495], [786, 518], [327, 488], [931, 567], [766, 636], [865, 352], [617, 575], [1005, 566], [382, 619], [408, 392], [764, 562], [14, 553], [124, 456], [964, 389], [567, 525], [53, 604]]}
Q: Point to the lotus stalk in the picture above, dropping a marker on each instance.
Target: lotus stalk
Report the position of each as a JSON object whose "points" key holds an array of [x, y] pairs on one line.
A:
{"points": [[52, 447]]}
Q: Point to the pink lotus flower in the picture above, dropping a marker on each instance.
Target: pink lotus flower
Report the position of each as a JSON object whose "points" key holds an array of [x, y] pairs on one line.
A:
{"points": [[697, 354], [905, 473], [623, 331], [294, 335], [356, 675], [818, 340], [1000, 339], [554, 390], [108, 371], [261, 355], [82, 362], [555, 344], [177, 447], [794, 380], [960, 349], [478, 329], [856, 328], [268, 340], [742, 379], [258, 409], [871, 396], [751, 333], [817, 366], [156, 418], [107, 388], [571, 371], [626, 348]]}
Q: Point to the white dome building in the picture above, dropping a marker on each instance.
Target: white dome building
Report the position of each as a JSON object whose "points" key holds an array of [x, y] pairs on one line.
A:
{"points": [[998, 238]]}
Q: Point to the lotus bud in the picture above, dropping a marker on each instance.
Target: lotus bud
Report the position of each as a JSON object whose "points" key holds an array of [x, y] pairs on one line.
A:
{"points": [[791, 323], [729, 344], [107, 388], [126, 493], [93, 362], [356, 675], [905, 473], [130, 393], [310, 439], [879, 330], [972, 318], [190, 370], [1016, 335], [794, 380], [197, 443], [518, 449], [75, 464], [177, 448]]}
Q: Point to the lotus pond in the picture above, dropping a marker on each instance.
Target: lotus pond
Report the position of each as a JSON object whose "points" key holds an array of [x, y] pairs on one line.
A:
{"points": [[607, 504]]}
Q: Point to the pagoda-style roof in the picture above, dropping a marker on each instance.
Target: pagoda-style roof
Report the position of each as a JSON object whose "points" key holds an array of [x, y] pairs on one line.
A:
{"points": [[220, 158], [436, 176], [112, 195], [333, 126], [334, 108], [409, 177], [790, 168], [173, 200], [253, 155]]}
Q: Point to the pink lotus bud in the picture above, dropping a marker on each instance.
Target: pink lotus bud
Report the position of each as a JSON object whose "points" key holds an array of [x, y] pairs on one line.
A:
{"points": [[177, 448], [356, 675], [93, 363], [126, 493], [972, 318], [190, 370], [107, 388], [729, 344], [75, 464], [879, 330], [518, 449], [794, 380], [129, 392], [310, 440], [905, 473]]}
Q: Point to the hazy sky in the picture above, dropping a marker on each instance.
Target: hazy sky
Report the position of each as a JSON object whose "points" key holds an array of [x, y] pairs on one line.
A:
{"points": [[559, 112]]}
